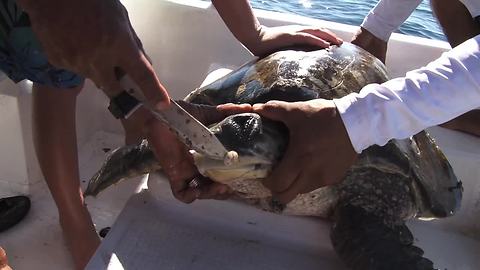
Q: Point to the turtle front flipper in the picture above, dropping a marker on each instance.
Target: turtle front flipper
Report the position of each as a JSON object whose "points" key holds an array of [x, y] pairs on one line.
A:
{"points": [[124, 162], [365, 242]]}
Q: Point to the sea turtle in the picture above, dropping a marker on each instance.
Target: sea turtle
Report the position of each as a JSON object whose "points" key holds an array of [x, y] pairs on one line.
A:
{"points": [[387, 186]]}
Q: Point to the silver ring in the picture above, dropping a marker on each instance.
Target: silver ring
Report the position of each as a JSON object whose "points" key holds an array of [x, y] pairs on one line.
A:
{"points": [[194, 183]]}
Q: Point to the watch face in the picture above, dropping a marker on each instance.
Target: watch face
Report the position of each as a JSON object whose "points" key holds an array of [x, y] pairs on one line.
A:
{"points": [[123, 104]]}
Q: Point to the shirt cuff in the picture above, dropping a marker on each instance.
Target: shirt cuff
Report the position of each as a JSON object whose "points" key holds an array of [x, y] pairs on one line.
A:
{"points": [[377, 27], [354, 121]]}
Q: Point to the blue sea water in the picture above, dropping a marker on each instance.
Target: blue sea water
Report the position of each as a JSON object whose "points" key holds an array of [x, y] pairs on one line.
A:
{"points": [[421, 23]]}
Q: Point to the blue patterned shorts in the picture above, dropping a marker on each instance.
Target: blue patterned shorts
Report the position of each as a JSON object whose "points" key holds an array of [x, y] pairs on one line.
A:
{"points": [[21, 55]]}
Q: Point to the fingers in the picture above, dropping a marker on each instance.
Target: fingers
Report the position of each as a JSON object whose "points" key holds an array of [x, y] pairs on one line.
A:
{"points": [[174, 159], [182, 192], [3, 259], [322, 38], [179, 167], [204, 189], [177, 162], [230, 108], [287, 171], [324, 34], [221, 111], [212, 114], [275, 110], [305, 38], [215, 191], [143, 74], [308, 179], [284, 174], [292, 192]]}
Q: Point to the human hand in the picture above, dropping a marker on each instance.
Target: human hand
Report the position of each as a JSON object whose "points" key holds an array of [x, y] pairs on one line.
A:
{"points": [[3, 260], [94, 38], [176, 161], [319, 151], [274, 38], [366, 40]]}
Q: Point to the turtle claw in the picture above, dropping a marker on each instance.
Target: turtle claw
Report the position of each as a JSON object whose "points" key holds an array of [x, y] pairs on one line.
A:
{"points": [[230, 158]]}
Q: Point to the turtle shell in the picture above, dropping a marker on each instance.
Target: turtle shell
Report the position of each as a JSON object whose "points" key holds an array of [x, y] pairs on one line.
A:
{"points": [[295, 75]]}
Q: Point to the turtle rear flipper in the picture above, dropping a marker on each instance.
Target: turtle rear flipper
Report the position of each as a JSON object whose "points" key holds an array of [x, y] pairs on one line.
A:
{"points": [[365, 242], [439, 192]]}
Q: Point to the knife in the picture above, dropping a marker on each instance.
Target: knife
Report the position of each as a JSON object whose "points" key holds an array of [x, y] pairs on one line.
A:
{"points": [[188, 129]]}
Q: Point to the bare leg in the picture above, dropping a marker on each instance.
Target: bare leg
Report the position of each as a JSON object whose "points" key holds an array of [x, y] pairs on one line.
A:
{"points": [[56, 146], [458, 25]]}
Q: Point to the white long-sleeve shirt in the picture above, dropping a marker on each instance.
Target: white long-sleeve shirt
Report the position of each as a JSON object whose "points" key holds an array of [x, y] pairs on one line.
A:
{"points": [[388, 15], [473, 7], [399, 108]]}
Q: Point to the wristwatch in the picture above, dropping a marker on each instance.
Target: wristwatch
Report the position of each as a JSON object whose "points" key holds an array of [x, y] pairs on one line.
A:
{"points": [[123, 105]]}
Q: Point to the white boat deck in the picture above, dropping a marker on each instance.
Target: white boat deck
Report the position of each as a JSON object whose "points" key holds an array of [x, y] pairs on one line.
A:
{"points": [[233, 235], [175, 35], [37, 242]]}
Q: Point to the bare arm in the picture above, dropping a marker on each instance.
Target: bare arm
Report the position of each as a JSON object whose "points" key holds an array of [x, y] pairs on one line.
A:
{"points": [[380, 23], [261, 40], [239, 18], [92, 38]]}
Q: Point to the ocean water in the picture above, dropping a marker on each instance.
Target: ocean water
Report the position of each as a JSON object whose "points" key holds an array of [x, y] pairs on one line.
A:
{"points": [[421, 23]]}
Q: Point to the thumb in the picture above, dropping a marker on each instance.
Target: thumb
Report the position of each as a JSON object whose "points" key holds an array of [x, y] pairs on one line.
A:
{"points": [[306, 38], [231, 108], [275, 110]]}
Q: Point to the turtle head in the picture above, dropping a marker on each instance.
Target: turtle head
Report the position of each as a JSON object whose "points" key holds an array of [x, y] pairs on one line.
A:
{"points": [[254, 144]]}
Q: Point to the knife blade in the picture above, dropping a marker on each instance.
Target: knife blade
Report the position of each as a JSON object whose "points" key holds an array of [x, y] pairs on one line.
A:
{"points": [[188, 129]]}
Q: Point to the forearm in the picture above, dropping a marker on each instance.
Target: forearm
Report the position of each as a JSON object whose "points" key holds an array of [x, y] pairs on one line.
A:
{"points": [[239, 18], [399, 108], [387, 16]]}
